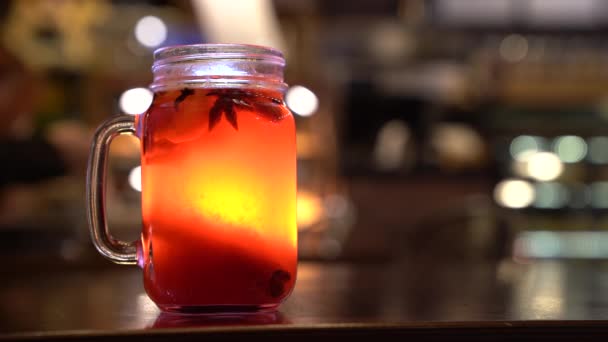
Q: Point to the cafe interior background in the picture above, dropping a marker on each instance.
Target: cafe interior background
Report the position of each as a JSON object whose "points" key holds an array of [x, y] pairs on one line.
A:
{"points": [[466, 134]]}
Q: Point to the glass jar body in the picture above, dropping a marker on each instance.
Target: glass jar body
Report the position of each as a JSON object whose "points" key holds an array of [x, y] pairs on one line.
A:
{"points": [[218, 199], [218, 164]]}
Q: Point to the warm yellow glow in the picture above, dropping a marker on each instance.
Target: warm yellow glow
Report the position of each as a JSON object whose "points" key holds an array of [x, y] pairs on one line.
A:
{"points": [[309, 209], [230, 196], [230, 204]]}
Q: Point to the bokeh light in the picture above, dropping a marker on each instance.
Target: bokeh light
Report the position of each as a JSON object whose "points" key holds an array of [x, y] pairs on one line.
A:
{"points": [[599, 195], [135, 178], [544, 166], [150, 31], [135, 101], [524, 144], [580, 196], [514, 193], [309, 209], [598, 150], [391, 143], [301, 100], [570, 148], [550, 195], [514, 48]]}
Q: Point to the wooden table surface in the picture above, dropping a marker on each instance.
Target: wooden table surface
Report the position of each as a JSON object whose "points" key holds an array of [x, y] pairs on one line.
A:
{"points": [[446, 300]]}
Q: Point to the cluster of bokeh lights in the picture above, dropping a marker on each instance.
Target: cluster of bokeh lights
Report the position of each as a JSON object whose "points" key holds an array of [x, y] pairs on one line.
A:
{"points": [[539, 163]]}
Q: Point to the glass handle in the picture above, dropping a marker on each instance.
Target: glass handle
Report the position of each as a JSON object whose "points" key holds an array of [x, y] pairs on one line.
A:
{"points": [[118, 251]]}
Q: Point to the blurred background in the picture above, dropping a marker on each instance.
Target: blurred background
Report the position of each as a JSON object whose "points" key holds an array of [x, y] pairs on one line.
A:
{"points": [[427, 130]]}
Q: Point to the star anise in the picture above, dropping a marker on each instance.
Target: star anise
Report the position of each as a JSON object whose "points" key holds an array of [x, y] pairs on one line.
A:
{"points": [[182, 96], [224, 104], [228, 99], [157, 95]]}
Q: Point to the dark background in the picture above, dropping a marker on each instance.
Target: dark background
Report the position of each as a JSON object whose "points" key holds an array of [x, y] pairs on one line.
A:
{"points": [[449, 130]]}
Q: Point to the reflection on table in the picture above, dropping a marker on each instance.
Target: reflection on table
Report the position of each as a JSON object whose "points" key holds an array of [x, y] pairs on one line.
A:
{"points": [[406, 291]]}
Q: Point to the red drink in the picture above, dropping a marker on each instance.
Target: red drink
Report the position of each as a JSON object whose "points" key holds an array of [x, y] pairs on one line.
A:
{"points": [[218, 197], [218, 168]]}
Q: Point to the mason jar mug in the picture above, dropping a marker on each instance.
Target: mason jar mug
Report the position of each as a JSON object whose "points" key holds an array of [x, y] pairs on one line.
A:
{"points": [[218, 164]]}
